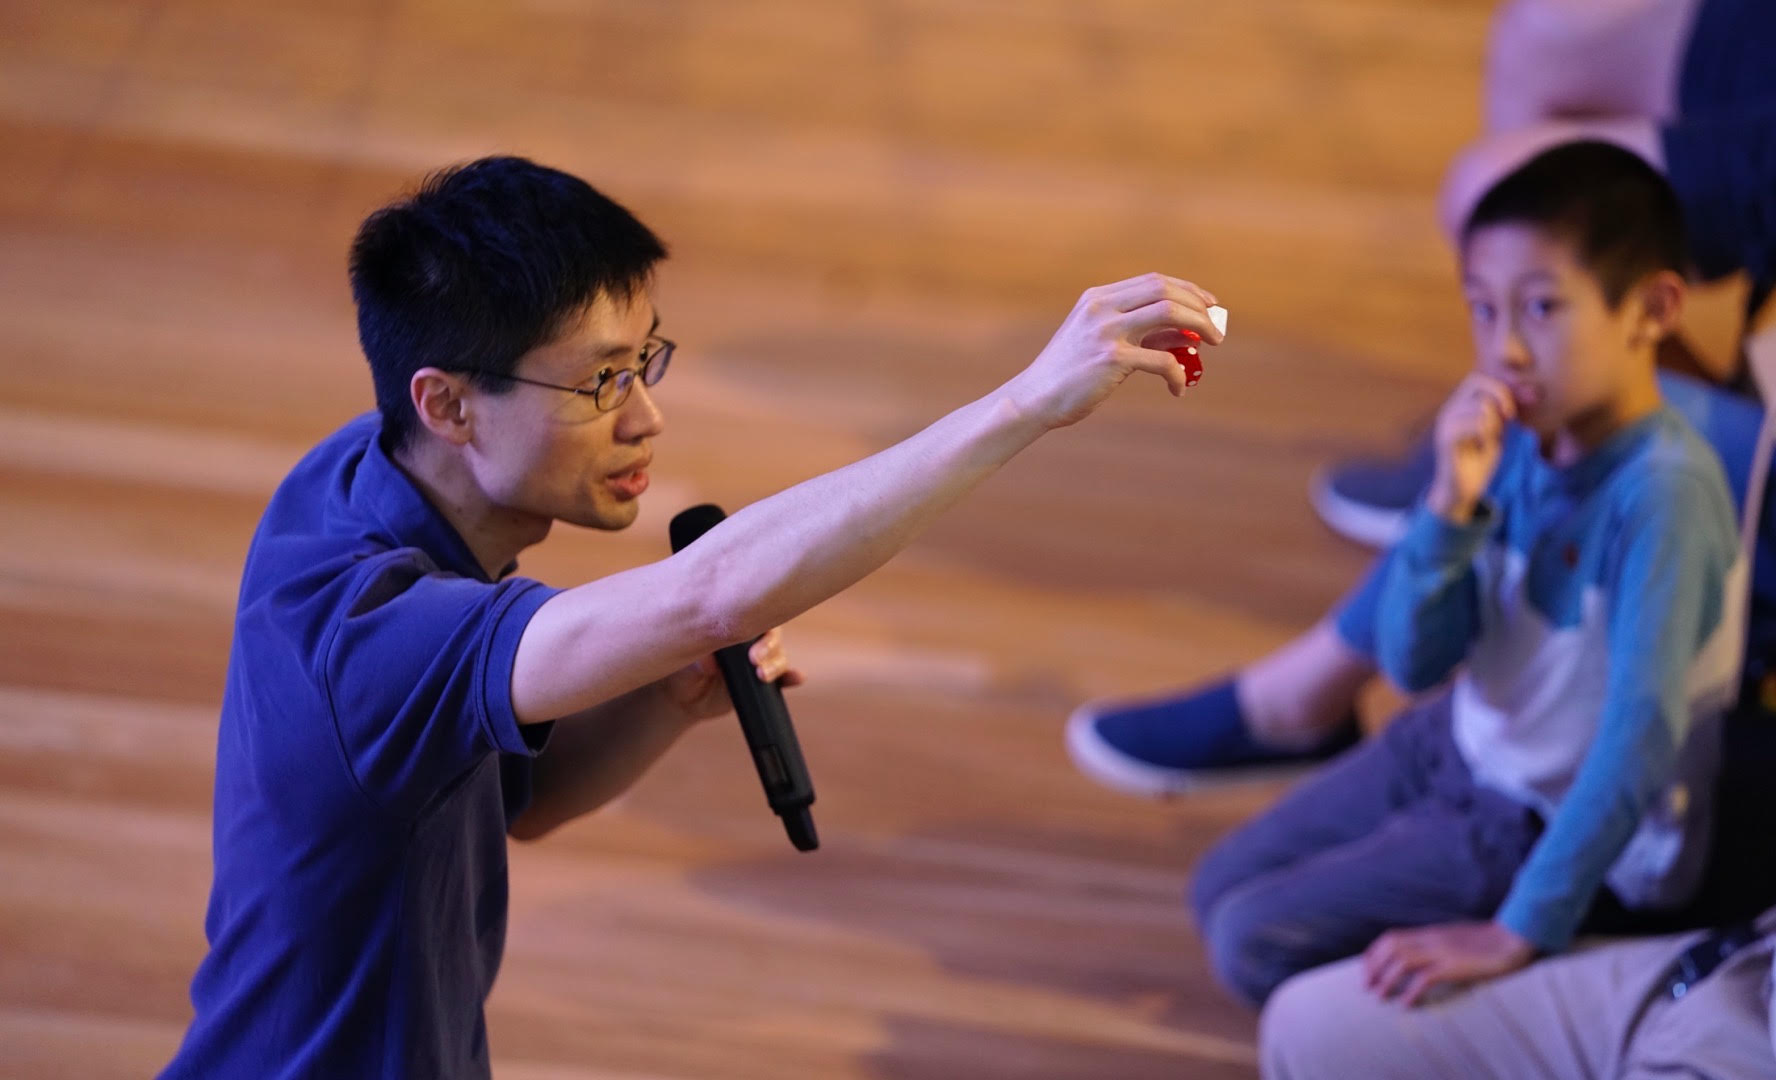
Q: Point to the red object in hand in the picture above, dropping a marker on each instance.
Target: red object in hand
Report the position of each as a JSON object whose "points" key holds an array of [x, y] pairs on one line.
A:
{"points": [[1188, 355]]}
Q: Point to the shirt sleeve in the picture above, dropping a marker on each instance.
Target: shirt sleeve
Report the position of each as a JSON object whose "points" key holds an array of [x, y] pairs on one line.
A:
{"points": [[1427, 611], [1425, 600], [1665, 598], [418, 673]]}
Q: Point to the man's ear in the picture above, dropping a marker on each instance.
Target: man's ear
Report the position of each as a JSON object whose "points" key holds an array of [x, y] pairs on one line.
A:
{"points": [[438, 398], [1661, 306]]}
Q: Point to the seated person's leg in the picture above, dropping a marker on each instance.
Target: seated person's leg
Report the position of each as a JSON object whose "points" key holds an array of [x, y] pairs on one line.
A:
{"points": [[1344, 801], [1292, 707], [1566, 1017], [1394, 834]]}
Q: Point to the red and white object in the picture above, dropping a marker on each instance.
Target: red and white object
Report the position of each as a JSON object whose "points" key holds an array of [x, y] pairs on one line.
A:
{"points": [[1190, 354]]}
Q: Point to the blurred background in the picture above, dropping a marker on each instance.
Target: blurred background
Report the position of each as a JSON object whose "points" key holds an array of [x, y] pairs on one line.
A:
{"points": [[878, 209]]}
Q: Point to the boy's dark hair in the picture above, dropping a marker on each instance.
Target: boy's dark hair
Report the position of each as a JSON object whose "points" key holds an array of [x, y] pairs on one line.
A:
{"points": [[1620, 215], [483, 263]]}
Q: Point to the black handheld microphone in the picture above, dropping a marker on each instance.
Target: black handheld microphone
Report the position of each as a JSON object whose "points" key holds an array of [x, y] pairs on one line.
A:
{"points": [[764, 718]]}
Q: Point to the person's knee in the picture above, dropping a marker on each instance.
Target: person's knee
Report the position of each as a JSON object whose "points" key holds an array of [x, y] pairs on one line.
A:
{"points": [[1253, 950], [1312, 1025], [1228, 864], [1208, 883]]}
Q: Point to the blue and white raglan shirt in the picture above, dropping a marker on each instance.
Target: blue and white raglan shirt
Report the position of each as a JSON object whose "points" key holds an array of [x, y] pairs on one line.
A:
{"points": [[1585, 607]]}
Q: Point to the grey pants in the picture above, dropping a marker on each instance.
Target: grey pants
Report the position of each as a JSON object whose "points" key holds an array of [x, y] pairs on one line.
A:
{"points": [[1599, 1012], [1393, 833]]}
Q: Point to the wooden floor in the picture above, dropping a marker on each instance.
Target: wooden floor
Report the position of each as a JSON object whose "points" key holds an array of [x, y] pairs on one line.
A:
{"points": [[878, 208]]}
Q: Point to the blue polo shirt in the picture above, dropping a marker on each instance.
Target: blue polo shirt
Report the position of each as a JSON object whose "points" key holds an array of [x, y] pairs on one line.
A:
{"points": [[367, 767]]}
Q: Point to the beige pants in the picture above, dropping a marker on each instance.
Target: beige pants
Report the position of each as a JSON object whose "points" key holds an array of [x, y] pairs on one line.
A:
{"points": [[1597, 1012]]}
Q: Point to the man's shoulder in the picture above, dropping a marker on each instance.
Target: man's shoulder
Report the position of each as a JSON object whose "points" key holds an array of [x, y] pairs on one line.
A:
{"points": [[317, 531], [327, 463]]}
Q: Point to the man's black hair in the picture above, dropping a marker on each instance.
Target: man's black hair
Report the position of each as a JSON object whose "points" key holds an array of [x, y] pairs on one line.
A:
{"points": [[483, 263]]}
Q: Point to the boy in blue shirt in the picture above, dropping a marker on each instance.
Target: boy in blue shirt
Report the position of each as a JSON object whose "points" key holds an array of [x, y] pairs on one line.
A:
{"points": [[398, 702], [1569, 567]]}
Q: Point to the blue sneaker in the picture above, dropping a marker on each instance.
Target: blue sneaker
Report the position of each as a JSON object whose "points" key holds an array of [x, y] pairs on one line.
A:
{"points": [[1370, 500], [1164, 747]]}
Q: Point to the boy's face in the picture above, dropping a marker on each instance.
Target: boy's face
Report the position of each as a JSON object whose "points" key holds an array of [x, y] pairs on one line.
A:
{"points": [[1541, 326]]}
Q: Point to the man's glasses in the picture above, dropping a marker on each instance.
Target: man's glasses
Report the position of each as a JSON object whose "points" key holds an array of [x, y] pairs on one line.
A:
{"points": [[612, 387]]}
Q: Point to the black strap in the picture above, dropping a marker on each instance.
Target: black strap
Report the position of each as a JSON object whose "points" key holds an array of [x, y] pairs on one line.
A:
{"points": [[1699, 960]]}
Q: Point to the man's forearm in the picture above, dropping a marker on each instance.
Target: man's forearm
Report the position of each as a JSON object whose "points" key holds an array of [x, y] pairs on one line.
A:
{"points": [[597, 755], [781, 556], [761, 567]]}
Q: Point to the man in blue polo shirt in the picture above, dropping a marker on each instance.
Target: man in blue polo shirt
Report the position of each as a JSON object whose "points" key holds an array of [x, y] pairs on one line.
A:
{"points": [[392, 687]]}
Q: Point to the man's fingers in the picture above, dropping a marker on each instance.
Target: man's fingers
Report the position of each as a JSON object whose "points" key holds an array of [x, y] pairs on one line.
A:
{"points": [[1146, 288], [768, 644], [1168, 313], [1167, 339], [773, 667], [1163, 364], [1137, 292]]}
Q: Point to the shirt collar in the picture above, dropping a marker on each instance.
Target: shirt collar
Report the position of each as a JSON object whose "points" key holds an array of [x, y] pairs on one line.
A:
{"points": [[1585, 474], [390, 495]]}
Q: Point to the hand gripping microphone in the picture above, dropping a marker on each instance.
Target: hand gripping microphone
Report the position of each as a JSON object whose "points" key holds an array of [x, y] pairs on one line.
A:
{"points": [[764, 718]]}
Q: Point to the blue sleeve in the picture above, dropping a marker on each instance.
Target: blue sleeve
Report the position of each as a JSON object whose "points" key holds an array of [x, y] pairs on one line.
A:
{"points": [[1723, 167], [1665, 594], [419, 677], [1354, 617], [1427, 610]]}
